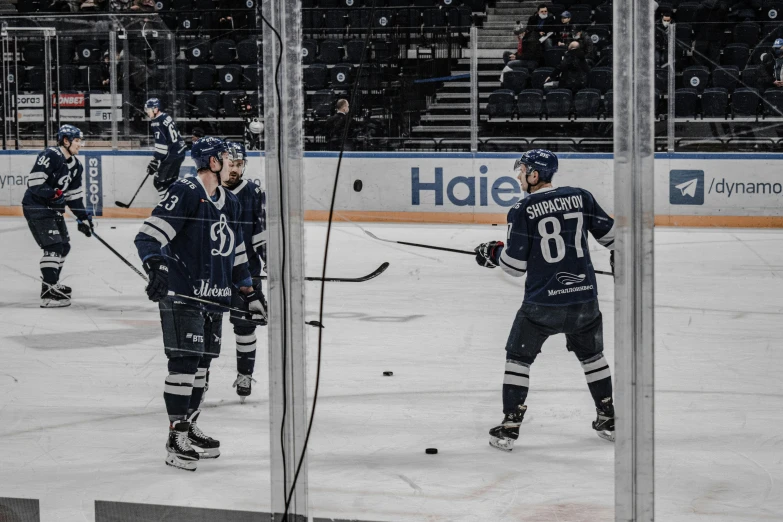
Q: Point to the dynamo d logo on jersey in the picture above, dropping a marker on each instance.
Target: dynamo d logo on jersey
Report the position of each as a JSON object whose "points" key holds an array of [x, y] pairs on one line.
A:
{"points": [[568, 279], [686, 187], [220, 231]]}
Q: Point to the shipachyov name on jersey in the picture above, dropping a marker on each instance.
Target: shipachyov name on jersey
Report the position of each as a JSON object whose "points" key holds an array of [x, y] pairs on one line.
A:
{"points": [[554, 205]]}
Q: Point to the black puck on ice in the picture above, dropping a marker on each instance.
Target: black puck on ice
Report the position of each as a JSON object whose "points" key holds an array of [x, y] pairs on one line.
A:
{"points": [[357, 185], [113, 228], [431, 451], [388, 374]]}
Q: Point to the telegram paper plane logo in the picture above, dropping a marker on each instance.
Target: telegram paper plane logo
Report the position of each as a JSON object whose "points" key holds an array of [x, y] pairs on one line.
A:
{"points": [[686, 187]]}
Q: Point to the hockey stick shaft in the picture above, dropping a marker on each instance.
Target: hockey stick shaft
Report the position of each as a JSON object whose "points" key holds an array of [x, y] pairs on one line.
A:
{"points": [[456, 251], [127, 205]]}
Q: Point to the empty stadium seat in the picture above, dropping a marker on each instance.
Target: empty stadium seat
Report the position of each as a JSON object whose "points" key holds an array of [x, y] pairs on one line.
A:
{"points": [[341, 75], [335, 19], [662, 79], [203, 77], [331, 52], [745, 102], [251, 79], [88, 52], [515, 80], [323, 103], [248, 51], [33, 53], [755, 77], [197, 52], [354, 51], [501, 104], [747, 33], [530, 103], [686, 102], [683, 34], [600, 78], [314, 76], [68, 75], [696, 77], [714, 102], [539, 76], [687, 12], [603, 14], [182, 76], [553, 56], [587, 103], [558, 103], [736, 54], [224, 52], [230, 77], [726, 77], [206, 104], [608, 104], [773, 102], [580, 14], [309, 51]]}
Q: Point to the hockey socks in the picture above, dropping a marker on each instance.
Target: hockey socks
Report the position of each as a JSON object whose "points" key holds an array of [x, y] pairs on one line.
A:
{"points": [[199, 388], [516, 383], [599, 378], [246, 353]]}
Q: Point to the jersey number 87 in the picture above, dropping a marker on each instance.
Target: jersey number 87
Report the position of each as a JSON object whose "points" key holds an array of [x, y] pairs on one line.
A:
{"points": [[560, 248]]}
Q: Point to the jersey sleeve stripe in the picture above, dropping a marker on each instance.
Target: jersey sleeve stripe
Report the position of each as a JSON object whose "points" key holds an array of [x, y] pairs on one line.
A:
{"points": [[162, 225], [161, 148], [38, 175], [76, 195], [607, 239], [240, 248], [35, 182], [238, 260], [259, 239], [511, 266], [151, 231]]}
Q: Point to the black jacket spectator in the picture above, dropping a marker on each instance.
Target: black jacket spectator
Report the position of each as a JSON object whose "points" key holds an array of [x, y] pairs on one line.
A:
{"points": [[335, 128], [662, 39], [573, 70], [773, 64], [532, 50], [564, 34], [541, 26]]}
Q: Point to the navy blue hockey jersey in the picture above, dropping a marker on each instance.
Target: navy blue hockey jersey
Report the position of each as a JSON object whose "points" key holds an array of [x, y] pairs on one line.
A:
{"points": [[547, 238], [51, 172], [253, 223], [168, 142], [200, 240]]}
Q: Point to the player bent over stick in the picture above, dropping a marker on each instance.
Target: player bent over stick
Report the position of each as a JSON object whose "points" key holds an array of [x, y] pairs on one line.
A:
{"points": [[193, 246], [54, 182], [547, 239], [253, 223]]}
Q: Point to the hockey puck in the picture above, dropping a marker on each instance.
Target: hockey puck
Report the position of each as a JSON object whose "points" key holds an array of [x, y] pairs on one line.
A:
{"points": [[431, 451], [388, 374], [113, 228], [357, 185]]}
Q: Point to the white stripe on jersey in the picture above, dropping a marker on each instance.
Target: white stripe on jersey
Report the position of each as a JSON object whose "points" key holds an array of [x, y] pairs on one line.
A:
{"points": [[260, 239], [607, 239], [163, 225], [240, 248], [35, 182], [238, 260], [511, 266], [154, 232]]}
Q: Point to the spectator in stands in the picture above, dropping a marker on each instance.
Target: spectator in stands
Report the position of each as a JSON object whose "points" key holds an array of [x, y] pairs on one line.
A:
{"points": [[236, 15], [542, 24], [662, 38], [519, 32], [572, 71], [335, 126], [709, 32], [565, 30], [773, 63]]}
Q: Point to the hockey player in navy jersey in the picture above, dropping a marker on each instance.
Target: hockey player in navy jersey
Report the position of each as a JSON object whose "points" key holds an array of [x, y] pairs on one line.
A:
{"points": [[547, 240], [253, 224], [54, 183], [191, 246], [169, 147]]}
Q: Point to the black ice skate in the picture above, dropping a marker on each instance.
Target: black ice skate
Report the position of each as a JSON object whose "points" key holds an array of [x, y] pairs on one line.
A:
{"points": [[210, 448], [503, 436], [604, 424], [55, 296], [180, 454], [243, 384]]}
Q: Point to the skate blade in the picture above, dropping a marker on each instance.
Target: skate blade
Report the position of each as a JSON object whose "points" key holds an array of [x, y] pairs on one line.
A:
{"points": [[606, 435], [208, 453], [501, 444], [55, 303], [176, 462]]}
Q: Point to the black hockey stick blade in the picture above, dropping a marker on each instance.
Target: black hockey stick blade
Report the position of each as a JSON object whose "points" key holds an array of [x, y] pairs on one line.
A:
{"points": [[121, 204], [127, 205], [372, 275]]}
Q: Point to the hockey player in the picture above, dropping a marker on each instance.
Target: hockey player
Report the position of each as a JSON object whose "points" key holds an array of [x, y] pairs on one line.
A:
{"points": [[54, 182], [192, 247], [253, 223], [547, 240], [169, 148]]}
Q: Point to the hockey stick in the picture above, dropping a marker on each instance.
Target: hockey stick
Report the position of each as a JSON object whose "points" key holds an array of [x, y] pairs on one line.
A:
{"points": [[127, 205], [372, 275], [468, 252]]}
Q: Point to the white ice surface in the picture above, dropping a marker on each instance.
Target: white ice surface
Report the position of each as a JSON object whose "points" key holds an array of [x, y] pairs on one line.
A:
{"points": [[82, 414]]}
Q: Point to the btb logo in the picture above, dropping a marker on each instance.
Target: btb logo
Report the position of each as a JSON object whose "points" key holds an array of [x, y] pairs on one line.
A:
{"points": [[221, 231]]}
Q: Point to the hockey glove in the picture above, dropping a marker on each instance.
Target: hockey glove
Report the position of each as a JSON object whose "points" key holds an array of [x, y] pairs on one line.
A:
{"points": [[153, 167], [58, 197], [256, 304], [488, 254], [85, 227], [158, 273]]}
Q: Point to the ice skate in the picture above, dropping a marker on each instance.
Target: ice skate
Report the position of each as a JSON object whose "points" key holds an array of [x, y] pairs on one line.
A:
{"points": [[210, 448], [243, 384], [503, 437], [55, 296], [180, 454], [604, 424]]}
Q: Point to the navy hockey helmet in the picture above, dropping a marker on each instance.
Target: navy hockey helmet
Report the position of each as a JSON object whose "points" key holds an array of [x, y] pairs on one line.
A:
{"points": [[238, 152], [541, 160], [206, 148], [68, 131], [152, 103]]}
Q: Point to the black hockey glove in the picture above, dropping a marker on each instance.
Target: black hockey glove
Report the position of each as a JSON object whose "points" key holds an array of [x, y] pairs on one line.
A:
{"points": [[153, 167], [85, 227], [158, 273], [611, 260], [256, 304], [488, 254], [58, 197]]}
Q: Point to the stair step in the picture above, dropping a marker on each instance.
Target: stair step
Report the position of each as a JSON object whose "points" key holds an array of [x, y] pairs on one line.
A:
{"points": [[464, 85], [441, 128], [453, 106]]}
